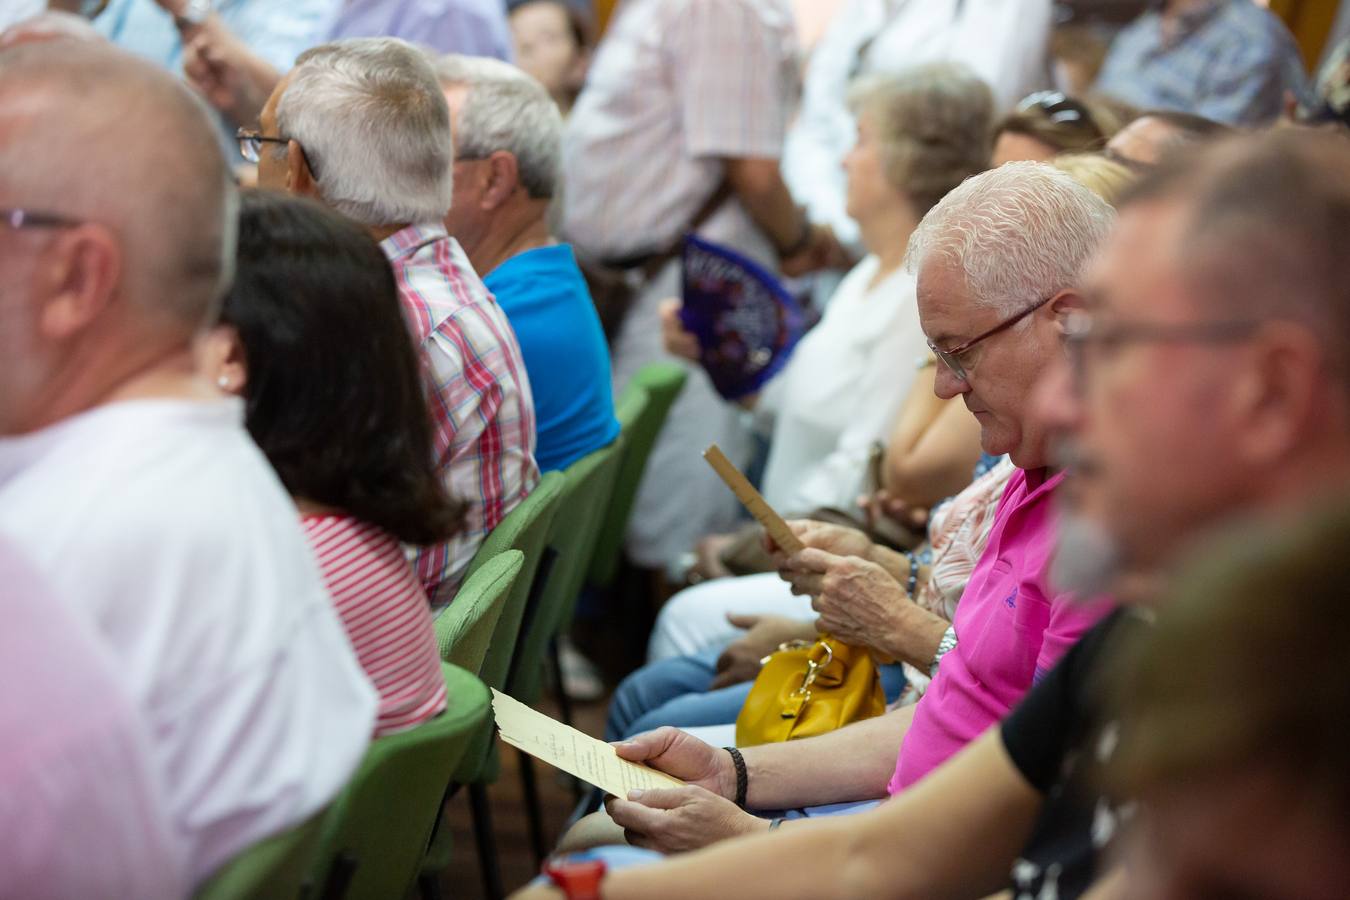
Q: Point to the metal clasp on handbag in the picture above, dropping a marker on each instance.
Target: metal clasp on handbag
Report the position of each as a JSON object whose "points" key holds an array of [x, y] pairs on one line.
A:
{"points": [[802, 695]]}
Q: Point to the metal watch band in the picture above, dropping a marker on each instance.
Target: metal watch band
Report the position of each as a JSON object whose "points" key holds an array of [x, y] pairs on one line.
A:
{"points": [[945, 646]]}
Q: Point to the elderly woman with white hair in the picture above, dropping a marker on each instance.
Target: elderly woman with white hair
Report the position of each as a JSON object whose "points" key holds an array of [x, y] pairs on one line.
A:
{"points": [[920, 134]]}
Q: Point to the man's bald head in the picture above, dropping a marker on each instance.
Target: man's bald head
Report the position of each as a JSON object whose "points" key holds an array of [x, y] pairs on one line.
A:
{"points": [[95, 135]]}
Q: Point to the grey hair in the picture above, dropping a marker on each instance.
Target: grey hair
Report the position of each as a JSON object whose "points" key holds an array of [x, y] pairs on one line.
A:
{"points": [[934, 124], [1019, 233], [374, 127], [506, 109]]}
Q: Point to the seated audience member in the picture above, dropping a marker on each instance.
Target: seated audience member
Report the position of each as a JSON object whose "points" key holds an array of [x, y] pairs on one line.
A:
{"points": [[82, 809], [128, 481], [1228, 60], [980, 277], [553, 41], [1243, 792], [1004, 43], [313, 339], [507, 142], [362, 126], [1047, 124], [1209, 385], [669, 137], [920, 134], [1143, 143], [238, 81]]}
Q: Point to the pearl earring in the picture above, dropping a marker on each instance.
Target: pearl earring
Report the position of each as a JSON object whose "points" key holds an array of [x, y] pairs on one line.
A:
{"points": [[224, 382]]}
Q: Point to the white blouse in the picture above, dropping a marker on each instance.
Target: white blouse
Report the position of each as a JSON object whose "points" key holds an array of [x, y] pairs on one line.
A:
{"points": [[841, 391]]}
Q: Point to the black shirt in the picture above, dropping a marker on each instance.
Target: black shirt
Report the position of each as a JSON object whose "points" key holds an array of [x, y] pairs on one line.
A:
{"points": [[1057, 739]]}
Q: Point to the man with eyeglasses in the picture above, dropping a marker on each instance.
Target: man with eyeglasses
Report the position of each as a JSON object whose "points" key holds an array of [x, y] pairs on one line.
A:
{"points": [[997, 262], [1210, 381], [126, 479]]}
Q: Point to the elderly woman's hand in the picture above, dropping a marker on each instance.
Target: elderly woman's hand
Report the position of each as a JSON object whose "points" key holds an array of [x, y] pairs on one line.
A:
{"points": [[677, 820], [678, 340]]}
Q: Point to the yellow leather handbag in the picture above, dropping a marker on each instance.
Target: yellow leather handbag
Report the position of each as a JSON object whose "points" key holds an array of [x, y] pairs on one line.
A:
{"points": [[808, 688]]}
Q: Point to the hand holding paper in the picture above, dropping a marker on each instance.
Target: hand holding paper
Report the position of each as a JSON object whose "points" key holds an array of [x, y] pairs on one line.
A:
{"points": [[563, 747]]}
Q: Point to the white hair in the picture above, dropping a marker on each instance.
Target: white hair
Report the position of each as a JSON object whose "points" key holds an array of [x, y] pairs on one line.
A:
{"points": [[506, 109], [374, 127], [1019, 233]]}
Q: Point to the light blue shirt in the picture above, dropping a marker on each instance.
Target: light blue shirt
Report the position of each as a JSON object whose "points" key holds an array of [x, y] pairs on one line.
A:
{"points": [[470, 27], [277, 31], [1229, 60]]}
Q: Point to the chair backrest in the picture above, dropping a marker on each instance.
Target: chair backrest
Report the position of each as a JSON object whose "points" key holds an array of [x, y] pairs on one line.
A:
{"points": [[378, 829], [272, 869], [587, 487], [464, 628], [646, 401], [525, 528]]}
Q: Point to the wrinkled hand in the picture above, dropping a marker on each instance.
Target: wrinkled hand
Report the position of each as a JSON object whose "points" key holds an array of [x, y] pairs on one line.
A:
{"points": [[836, 539], [677, 820], [686, 757], [740, 661], [858, 601], [678, 341]]}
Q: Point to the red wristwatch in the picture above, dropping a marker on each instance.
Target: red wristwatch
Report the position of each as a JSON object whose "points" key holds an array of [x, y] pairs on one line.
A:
{"points": [[578, 878]]}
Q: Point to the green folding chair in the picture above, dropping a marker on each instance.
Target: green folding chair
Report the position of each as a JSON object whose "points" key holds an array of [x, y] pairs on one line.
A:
{"points": [[272, 869], [588, 486], [376, 834], [464, 631], [526, 529], [642, 409]]}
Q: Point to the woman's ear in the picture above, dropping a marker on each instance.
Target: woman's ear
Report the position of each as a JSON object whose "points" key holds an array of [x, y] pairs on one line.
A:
{"points": [[220, 359]]}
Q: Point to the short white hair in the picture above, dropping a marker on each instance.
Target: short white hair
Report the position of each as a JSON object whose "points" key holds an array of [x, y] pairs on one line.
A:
{"points": [[1018, 233], [506, 109], [374, 127]]}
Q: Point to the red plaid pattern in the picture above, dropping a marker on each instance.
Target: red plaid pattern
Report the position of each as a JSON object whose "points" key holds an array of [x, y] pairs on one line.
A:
{"points": [[479, 395]]}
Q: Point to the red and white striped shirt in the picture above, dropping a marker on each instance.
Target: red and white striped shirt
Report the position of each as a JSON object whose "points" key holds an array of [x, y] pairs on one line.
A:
{"points": [[481, 406], [386, 614]]}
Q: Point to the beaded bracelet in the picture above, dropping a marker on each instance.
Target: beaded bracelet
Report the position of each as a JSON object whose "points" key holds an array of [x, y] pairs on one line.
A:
{"points": [[913, 583]]}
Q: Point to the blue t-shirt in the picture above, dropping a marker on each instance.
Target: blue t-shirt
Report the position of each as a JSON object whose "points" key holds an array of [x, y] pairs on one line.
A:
{"points": [[550, 308]]}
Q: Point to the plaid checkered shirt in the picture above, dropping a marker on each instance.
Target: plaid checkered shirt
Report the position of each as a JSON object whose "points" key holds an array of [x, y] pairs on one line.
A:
{"points": [[481, 407]]}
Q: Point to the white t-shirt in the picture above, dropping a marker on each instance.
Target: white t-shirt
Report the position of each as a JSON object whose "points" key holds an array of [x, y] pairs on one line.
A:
{"points": [[162, 523], [841, 391]]}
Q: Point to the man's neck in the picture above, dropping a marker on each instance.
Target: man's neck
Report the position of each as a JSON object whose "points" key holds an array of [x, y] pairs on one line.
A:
{"points": [[380, 232], [510, 236], [88, 383]]}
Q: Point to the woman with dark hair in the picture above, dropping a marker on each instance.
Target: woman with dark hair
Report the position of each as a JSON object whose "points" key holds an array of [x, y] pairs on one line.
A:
{"points": [[312, 337]]}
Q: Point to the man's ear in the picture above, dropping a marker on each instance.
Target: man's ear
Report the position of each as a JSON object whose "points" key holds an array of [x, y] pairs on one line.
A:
{"points": [[1063, 306], [300, 178], [77, 277], [503, 179], [1280, 393]]}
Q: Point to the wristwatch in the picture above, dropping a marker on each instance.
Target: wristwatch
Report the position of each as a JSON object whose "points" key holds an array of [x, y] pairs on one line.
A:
{"points": [[578, 878], [194, 13], [945, 646]]}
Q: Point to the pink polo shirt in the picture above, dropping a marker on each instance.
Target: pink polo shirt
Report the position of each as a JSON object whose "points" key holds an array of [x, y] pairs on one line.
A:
{"points": [[1011, 629]]}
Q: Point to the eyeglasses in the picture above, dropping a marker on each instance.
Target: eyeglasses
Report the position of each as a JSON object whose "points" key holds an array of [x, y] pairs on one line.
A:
{"points": [[1083, 331], [250, 143], [1058, 107], [952, 357], [28, 218]]}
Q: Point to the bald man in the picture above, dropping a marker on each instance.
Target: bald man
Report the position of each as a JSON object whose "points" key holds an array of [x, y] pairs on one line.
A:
{"points": [[127, 481]]}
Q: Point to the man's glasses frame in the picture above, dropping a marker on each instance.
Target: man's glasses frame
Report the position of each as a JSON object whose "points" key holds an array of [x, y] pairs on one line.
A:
{"points": [[18, 218], [952, 358], [250, 147], [1084, 330]]}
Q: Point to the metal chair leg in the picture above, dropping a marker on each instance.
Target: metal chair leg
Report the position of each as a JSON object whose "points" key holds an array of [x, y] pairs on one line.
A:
{"points": [[486, 841], [533, 811], [564, 706]]}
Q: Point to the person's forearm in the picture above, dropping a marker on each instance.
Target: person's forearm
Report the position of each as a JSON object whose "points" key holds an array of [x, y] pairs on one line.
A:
{"points": [[914, 638], [894, 562], [759, 186], [853, 763]]}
